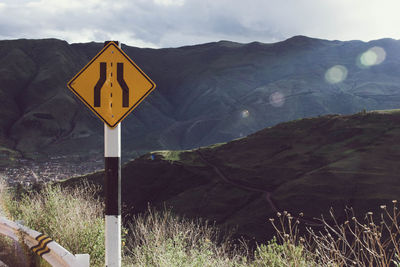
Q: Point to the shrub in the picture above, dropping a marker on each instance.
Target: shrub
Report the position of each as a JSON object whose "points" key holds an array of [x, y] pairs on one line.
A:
{"points": [[73, 217], [374, 241], [163, 239], [275, 255]]}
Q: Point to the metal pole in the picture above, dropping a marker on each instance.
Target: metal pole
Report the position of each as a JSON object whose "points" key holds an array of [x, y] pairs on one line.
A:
{"points": [[112, 187]]}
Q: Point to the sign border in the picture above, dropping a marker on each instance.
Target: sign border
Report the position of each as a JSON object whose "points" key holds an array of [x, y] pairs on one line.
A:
{"points": [[69, 84]]}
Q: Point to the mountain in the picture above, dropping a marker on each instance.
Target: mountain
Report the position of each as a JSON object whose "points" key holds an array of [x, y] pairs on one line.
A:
{"points": [[205, 93], [307, 165]]}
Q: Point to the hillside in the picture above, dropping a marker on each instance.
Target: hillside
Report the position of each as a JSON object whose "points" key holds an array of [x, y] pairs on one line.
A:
{"points": [[205, 94], [307, 165]]}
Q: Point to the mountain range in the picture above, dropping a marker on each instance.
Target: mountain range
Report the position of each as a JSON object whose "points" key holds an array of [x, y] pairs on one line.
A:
{"points": [[205, 94]]}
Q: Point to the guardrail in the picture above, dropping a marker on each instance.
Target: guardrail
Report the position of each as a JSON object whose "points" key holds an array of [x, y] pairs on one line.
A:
{"points": [[42, 245]]}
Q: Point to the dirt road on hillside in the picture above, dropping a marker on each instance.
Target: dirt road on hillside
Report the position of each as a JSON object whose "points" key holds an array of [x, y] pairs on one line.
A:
{"points": [[267, 195]]}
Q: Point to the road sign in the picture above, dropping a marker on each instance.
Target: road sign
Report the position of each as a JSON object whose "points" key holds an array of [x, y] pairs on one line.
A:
{"points": [[111, 85]]}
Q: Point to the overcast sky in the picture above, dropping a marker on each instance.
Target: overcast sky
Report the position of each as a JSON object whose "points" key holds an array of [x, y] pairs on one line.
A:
{"points": [[172, 23]]}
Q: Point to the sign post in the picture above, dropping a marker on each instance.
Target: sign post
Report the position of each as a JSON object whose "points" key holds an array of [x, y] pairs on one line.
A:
{"points": [[112, 85], [112, 182]]}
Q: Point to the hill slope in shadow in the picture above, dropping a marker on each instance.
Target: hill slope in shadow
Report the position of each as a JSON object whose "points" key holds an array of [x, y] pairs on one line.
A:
{"points": [[308, 166]]}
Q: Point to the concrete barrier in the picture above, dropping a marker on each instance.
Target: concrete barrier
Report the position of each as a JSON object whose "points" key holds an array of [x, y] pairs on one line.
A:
{"points": [[42, 245]]}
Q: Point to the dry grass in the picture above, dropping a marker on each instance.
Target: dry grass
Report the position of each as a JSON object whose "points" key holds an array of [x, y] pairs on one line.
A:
{"points": [[164, 239], [73, 217], [373, 241]]}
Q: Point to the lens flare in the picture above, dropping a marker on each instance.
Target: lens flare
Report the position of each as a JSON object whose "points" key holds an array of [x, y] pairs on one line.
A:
{"points": [[368, 58], [336, 74], [245, 113], [277, 99], [373, 56]]}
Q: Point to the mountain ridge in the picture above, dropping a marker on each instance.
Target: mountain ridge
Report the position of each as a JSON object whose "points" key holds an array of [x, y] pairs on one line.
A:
{"points": [[205, 93]]}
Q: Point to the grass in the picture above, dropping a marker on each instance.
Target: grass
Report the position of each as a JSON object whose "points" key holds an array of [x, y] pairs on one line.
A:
{"points": [[373, 241], [164, 239], [178, 156], [169, 155], [74, 217]]}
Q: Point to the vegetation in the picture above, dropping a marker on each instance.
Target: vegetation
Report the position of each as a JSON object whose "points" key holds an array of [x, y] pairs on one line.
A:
{"points": [[74, 218], [374, 241], [169, 155], [164, 239]]}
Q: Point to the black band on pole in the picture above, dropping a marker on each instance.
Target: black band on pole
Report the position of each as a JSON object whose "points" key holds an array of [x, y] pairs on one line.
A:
{"points": [[112, 188]]}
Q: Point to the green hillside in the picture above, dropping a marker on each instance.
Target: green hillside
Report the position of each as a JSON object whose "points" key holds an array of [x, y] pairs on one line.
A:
{"points": [[307, 165]]}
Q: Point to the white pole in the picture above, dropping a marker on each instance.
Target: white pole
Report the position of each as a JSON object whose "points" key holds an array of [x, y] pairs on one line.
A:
{"points": [[112, 160]]}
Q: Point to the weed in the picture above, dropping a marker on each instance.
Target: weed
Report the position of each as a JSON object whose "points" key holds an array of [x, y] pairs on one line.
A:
{"points": [[73, 217], [164, 239], [373, 241]]}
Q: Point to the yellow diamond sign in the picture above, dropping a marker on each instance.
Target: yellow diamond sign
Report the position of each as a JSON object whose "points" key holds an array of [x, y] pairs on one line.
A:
{"points": [[111, 85]]}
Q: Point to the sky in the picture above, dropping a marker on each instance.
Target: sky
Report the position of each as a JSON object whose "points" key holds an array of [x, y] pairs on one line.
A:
{"points": [[174, 23]]}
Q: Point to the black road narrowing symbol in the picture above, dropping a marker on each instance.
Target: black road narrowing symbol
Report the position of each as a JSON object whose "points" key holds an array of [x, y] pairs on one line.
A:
{"points": [[122, 83], [99, 84], [102, 80]]}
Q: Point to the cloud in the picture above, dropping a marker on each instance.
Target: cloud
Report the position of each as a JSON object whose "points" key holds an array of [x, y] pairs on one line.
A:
{"points": [[169, 2], [166, 23]]}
